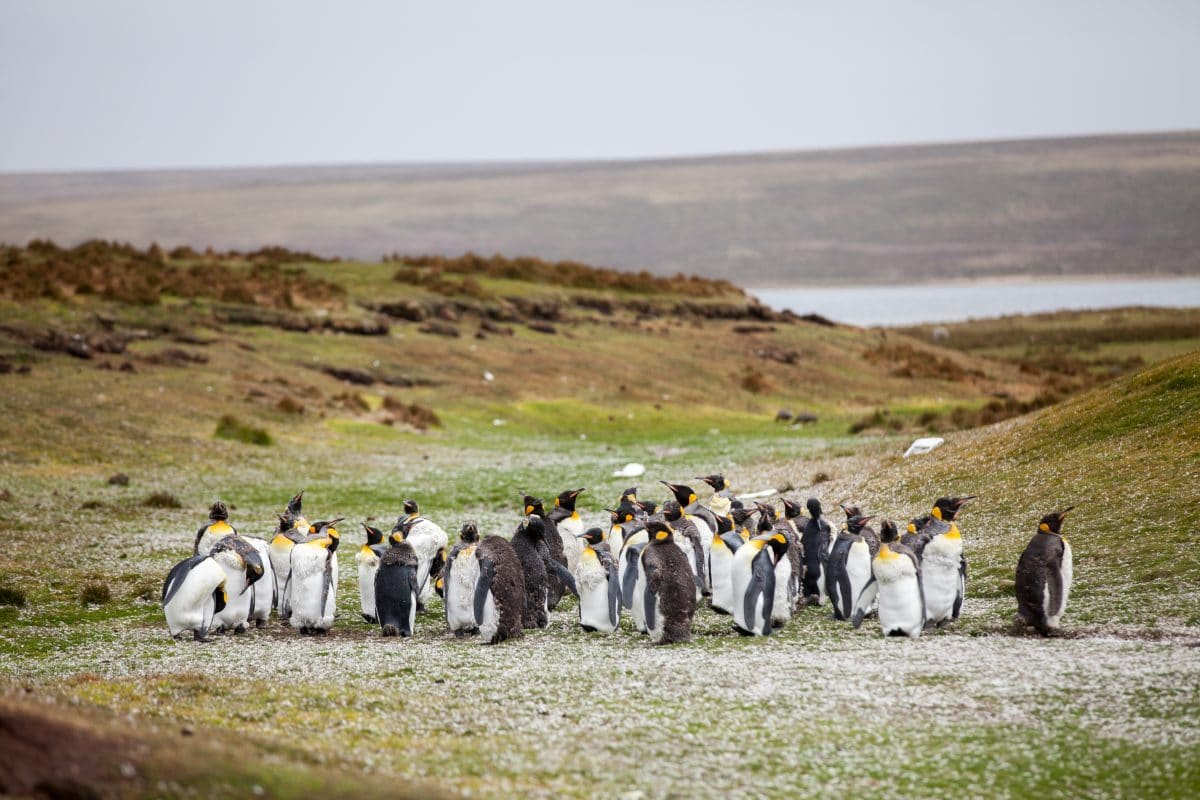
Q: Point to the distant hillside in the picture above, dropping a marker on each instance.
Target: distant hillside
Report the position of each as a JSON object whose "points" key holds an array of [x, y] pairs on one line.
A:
{"points": [[1103, 205]]}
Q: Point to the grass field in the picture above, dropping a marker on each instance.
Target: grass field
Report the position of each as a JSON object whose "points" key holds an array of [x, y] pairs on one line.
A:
{"points": [[1109, 709]]}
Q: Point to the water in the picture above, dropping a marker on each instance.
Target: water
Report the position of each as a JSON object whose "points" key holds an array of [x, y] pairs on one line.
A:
{"points": [[953, 302]]}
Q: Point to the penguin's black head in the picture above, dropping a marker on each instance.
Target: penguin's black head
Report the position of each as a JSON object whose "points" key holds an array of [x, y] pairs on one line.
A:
{"points": [[628, 512], [683, 494], [851, 511], [888, 532], [648, 507], [791, 509], [857, 522], [740, 515], [329, 529], [767, 511], [254, 565], [374, 535], [404, 524], [411, 508], [469, 532], [724, 524], [764, 522], [814, 507], [293, 506], [917, 524], [947, 508], [592, 536], [629, 495], [566, 500], [672, 511], [533, 505], [717, 481], [659, 531], [218, 511], [1052, 523]]}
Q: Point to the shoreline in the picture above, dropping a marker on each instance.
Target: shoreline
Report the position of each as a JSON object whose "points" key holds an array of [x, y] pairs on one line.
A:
{"points": [[999, 280]]}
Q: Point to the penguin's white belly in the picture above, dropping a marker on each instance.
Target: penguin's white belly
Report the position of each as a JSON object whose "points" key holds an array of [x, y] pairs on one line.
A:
{"points": [[940, 576], [639, 600], [689, 553], [264, 588], [491, 619], [592, 582], [899, 596], [310, 607], [460, 591], [426, 538], [740, 574], [281, 565], [1068, 574], [191, 608], [237, 607], [858, 570], [572, 547], [368, 565], [781, 611], [721, 565]]}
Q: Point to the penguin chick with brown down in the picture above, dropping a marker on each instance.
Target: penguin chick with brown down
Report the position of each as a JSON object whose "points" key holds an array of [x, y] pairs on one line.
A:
{"points": [[529, 542], [670, 591], [499, 591], [1044, 574], [555, 586]]}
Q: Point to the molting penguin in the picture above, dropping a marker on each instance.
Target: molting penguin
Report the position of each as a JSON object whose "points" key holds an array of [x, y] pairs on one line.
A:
{"points": [[753, 576], [785, 581], [792, 512], [704, 519], [599, 584], [555, 587], [849, 566], [569, 525], [669, 597], [243, 568], [1044, 575], [529, 542], [367, 561], [218, 528], [312, 584], [687, 538], [263, 589], [459, 580], [427, 539], [943, 565], [499, 592], [192, 594], [895, 585], [396, 587], [816, 540]]}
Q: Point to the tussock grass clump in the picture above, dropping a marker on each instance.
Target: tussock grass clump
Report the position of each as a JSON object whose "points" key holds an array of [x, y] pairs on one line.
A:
{"points": [[162, 499], [229, 427], [92, 505], [414, 414], [756, 383], [95, 594], [10, 596]]}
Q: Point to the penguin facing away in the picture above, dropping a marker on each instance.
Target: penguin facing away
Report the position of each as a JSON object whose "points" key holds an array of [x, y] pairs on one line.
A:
{"points": [[367, 561], [218, 528], [459, 579], [895, 587], [499, 592], [396, 588], [816, 541], [312, 584], [192, 594], [753, 576], [427, 539], [536, 563], [943, 564], [1045, 572], [687, 538], [599, 585], [669, 597]]}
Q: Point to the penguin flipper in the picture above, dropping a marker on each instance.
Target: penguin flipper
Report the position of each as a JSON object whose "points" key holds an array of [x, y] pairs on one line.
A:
{"points": [[285, 606], [650, 598], [327, 580], [865, 598], [764, 567], [1054, 586], [177, 575], [483, 586], [219, 599], [630, 579], [962, 588], [750, 600], [614, 596], [563, 574]]}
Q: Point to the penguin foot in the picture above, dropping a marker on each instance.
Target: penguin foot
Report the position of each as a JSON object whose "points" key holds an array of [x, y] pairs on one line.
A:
{"points": [[369, 619], [260, 623], [199, 636], [240, 629], [420, 607], [812, 600]]}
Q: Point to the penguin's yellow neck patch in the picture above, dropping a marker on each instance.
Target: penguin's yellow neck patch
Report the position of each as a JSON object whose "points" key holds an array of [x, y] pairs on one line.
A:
{"points": [[574, 515], [912, 528], [886, 553], [281, 541], [953, 533], [220, 528], [757, 544]]}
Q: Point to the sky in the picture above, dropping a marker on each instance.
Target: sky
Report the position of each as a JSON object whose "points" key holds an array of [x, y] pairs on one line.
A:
{"points": [[137, 84]]}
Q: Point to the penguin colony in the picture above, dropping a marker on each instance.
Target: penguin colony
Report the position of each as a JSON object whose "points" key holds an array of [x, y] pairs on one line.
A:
{"points": [[660, 564]]}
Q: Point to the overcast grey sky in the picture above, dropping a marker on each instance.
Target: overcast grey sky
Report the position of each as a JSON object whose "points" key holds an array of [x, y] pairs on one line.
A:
{"points": [[155, 83]]}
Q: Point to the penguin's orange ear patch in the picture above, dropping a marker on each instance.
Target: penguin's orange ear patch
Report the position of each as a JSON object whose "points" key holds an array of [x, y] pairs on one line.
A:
{"points": [[936, 513], [1044, 528], [661, 535], [779, 537], [691, 498]]}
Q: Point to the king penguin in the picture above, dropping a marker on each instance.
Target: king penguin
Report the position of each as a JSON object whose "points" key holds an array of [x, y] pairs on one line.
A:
{"points": [[943, 564], [243, 568], [396, 587], [1044, 574], [816, 541], [785, 582], [428, 540], [704, 520], [263, 591], [293, 528], [499, 592], [529, 542], [459, 579], [218, 528], [367, 561], [669, 597], [849, 566], [555, 587], [312, 584], [895, 586], [719, 503], [722, 550], [192, 594], [569, 525], [599, 584], [687, 538], [753, 576]]}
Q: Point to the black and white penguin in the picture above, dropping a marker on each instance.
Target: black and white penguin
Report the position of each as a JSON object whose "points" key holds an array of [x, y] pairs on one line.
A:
{"points": [[367, 561], [263, 591], [192, 594], [722, 549], [397, 587], [243, 568], [816, 540], [599, 584], [704, 519], [722, 497], [218, 528], [753, 575], [669, 598], [849, 566], [895, 587], [313, 581], [943, 564], [1044, 575], [529, 542], [555, 588], [792, 525], [633, 536], [499, 592], [570, 526], [427, 539], [785, 582], [292, 529], [687, 538], [459, 579], [624, 521]]}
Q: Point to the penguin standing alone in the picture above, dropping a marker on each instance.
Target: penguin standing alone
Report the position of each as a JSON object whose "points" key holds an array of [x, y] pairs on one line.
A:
{"points": [[499, 592], [396, 587], [669, 598], [599, 585], [459, 579], [753, 576], [192, 594], [1044, 575], [367, 561], [895, 586]]}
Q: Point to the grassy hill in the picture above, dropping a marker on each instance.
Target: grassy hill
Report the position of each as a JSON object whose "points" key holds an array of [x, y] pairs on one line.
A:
{"points": [[1093, 206]]}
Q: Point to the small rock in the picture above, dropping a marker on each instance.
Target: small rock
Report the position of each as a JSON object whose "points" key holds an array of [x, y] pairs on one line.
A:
{"points": [[119, 479]]}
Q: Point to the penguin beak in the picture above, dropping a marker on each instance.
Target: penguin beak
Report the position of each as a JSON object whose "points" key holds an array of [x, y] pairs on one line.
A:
{"points": [[1065, 511]]}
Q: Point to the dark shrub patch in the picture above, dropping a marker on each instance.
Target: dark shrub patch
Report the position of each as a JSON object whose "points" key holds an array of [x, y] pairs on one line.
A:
{"points": [[230, 428]]}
